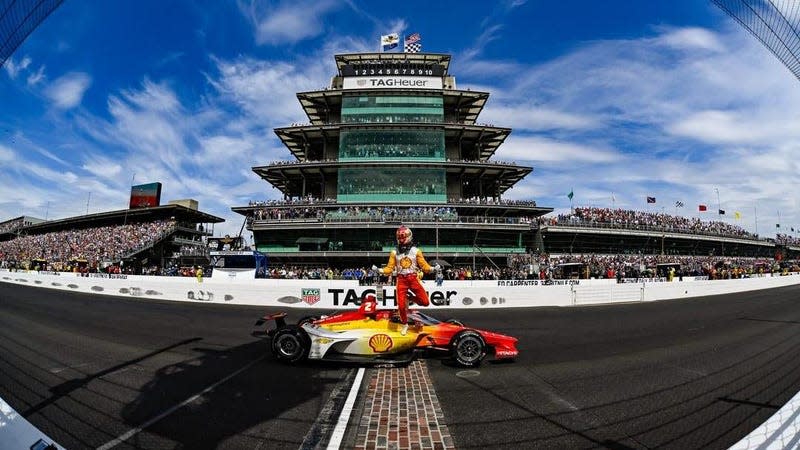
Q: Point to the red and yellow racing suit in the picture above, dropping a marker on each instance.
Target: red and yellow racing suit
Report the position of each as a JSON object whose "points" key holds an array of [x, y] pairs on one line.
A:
{"points": [[407, 263]]}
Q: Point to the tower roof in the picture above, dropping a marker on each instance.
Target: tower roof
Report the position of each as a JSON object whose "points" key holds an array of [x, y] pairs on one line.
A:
{"points": [[377, 58]]}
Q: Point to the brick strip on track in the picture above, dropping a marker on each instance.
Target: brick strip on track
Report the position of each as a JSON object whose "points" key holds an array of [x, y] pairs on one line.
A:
{"points": [[401, 411]]}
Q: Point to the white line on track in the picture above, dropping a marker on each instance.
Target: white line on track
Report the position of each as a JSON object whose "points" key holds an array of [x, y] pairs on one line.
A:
{"points": [[338, 432], [61, 369], [135, 431]]}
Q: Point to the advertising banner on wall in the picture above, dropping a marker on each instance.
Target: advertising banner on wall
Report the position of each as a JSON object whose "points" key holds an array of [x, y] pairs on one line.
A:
{"points": [[390, 82]]}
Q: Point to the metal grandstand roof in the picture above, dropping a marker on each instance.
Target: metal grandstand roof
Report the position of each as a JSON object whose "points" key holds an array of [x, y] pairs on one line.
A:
{"points": [[289, 177], [179, 212], [319, 104], [418, 58], [18, 18], [776, 23], [298, 139]]}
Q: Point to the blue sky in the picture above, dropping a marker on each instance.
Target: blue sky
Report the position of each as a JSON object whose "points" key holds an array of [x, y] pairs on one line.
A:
{"points": [[618, 100]]}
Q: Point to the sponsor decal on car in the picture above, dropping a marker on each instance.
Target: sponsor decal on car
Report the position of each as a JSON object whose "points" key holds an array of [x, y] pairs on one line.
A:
{"points": [[380, 343], [311, 295], [505, 354]]}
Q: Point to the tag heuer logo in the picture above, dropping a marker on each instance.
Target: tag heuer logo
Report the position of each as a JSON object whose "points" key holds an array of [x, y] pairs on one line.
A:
{"points": [[310, 296], [361, 82]]}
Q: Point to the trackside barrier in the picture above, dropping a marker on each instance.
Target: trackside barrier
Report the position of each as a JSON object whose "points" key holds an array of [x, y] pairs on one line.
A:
{"points": [[780, 431], [345, 294], [16, 432]]}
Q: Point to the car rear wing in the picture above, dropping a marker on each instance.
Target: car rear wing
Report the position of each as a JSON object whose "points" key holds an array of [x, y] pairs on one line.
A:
{"points": [[279, 318]]}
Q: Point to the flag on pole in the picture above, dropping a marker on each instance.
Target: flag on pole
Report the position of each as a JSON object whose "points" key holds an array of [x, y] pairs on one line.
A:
{"points": [[679, 204], [777, 225], [721, 212], [702, 208], [570, 195], [389, 41], [737, 215], [413, 43], [651, 199]]}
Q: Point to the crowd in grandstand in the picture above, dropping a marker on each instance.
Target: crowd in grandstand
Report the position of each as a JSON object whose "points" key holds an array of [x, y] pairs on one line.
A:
{"points": [[785, 239], [11, 226], [545, 267], [108, 243], [367, 153], [377, 214], [639, 266], [309, 200], [642, 220]]}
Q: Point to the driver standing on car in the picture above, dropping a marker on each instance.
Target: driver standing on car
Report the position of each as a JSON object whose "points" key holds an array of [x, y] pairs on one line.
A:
{"points": [[407, 260]]}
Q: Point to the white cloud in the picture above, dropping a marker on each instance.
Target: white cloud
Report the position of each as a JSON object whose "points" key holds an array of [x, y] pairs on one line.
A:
{"points": [[289, 22], [534, 118], [102, 168], [553, 151], [691, 39], [6, 154], [36, 77], [67, 91], [13, 69], [267, 89]]}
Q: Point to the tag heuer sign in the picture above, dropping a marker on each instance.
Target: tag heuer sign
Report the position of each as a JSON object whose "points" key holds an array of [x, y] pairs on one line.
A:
{"points": [[392, 82], [310, 296]]}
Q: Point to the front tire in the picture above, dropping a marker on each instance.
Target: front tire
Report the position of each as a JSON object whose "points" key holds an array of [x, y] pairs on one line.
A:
{"points": [[307, 319], [290, 344], [468, 348]]}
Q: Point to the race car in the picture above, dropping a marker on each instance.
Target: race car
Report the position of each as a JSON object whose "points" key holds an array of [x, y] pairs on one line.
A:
{"points": [[373, 335]]}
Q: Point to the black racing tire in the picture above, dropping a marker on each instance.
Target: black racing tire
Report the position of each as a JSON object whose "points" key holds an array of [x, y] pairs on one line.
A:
{"points": [[290, 344], [454, 322], [468, 348], [306, 320]]}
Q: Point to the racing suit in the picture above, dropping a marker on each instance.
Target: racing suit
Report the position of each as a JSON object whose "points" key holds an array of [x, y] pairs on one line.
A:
{"points": [[407, 260]]}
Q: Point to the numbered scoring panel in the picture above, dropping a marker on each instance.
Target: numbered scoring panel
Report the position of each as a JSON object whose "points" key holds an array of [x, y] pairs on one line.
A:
{"points": [[366, 70]]}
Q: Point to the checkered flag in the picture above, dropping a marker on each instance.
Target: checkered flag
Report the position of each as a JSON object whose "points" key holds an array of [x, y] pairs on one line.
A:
{"points": [[412, 43], [413, 48]]}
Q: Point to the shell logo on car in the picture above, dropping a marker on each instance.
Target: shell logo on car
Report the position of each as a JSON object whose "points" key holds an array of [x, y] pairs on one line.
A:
{"points": [[380, 343]]}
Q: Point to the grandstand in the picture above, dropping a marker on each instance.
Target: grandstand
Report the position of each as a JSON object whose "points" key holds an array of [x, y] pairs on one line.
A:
{"points": [[141, 240], [10, 228]]}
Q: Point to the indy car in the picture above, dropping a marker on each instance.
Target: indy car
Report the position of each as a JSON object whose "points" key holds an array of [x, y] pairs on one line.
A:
{"points": [[374, 335]]}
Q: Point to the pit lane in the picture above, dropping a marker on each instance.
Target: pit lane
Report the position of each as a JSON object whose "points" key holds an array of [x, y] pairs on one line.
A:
{"points": [[697, 373]]}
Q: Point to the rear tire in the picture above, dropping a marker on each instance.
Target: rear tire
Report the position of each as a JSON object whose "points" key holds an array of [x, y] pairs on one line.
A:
{"points": [[468, 348], [290, 344]]}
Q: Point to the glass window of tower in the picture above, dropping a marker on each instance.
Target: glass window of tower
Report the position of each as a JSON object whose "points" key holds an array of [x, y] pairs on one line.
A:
{"points": [[392, 109], [421, 145], [391, 184]]}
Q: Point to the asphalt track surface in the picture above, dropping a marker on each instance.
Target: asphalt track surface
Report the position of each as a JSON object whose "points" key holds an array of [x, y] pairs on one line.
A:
{"points": [[698, 373]]}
